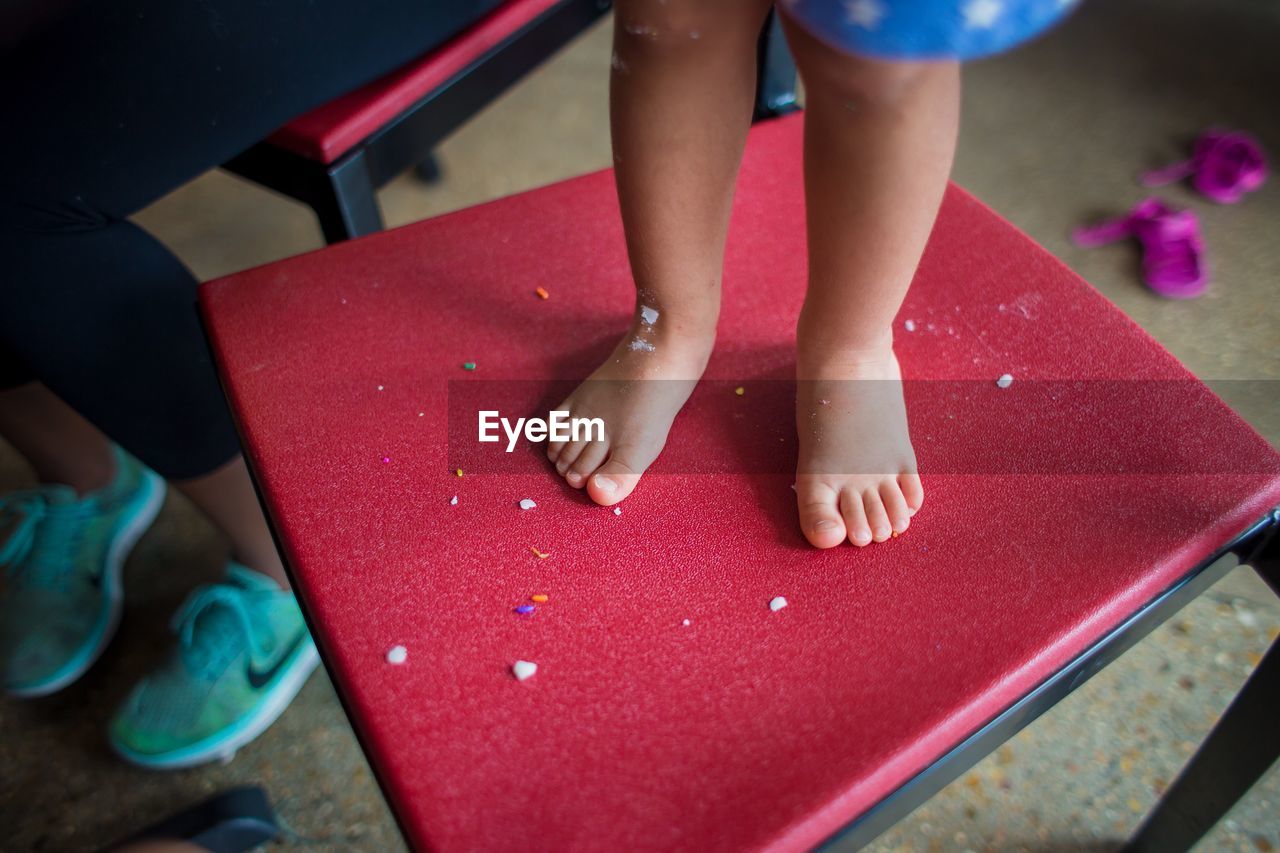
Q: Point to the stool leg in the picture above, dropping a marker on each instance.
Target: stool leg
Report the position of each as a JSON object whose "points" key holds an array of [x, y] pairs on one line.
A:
{"points": [[776, 72], [349, 206], [1244, 743], [428, 170]]}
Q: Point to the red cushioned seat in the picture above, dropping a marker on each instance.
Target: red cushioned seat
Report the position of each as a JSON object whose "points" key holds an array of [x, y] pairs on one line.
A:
{"points": [[329, 131], [1055, 508]]}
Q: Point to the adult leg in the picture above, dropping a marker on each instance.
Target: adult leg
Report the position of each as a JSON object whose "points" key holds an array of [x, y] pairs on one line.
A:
{"points": [[121, 103], [61, 446]]}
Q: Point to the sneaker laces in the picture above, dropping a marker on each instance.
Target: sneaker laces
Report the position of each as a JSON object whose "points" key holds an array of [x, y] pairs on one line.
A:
{"points": [[46, 542], [208, 651]]}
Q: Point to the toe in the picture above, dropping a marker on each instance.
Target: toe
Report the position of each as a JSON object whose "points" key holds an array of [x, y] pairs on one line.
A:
{"points": [[912, 490], [587, 462], [855, 518], [569, 455], [613, 480], [819, 518], [895, 505], [877, 518]]}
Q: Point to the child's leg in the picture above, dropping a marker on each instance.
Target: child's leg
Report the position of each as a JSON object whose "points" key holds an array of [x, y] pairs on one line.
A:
{"points": [[681, 97], [879, 138]]}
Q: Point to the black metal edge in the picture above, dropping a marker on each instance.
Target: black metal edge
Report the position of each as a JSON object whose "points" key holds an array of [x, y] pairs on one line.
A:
{"points": [[307, 618], [282, 171], [921, 787]]}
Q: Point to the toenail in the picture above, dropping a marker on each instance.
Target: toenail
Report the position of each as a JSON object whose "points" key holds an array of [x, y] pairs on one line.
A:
{"points": [[825, 524], [573, 476], [862, 536], [606, 485]]}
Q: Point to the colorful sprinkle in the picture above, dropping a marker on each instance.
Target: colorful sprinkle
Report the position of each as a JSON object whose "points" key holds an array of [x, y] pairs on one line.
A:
{"points": [[541, 555], [540, 598], [468, 365], [457, 471], [525, 609], [542, 293], [739, 390], [895, 534], [523, 669], [386, 459]]}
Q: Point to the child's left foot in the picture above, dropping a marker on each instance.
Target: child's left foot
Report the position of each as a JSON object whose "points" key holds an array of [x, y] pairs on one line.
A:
{"points": [[856, 478]]}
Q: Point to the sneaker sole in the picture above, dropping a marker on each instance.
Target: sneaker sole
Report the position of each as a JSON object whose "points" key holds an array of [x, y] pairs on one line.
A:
{"points": [[117, 553], [224, 746]]}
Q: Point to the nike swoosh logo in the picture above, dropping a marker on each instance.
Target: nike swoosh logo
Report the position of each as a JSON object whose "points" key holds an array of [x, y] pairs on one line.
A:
{"points": [[259, 678]]}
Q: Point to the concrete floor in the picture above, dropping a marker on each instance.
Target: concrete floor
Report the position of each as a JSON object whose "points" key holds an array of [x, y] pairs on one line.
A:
{"points": [[1052, 136]]}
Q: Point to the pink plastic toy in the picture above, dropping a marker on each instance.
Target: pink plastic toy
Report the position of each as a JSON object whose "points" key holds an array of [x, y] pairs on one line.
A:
{"points": [[1224, 165], [1172, 249]]}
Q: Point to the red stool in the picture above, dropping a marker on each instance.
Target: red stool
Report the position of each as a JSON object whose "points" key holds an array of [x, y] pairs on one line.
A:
{"points": [[1066, 516], [335, 157]]}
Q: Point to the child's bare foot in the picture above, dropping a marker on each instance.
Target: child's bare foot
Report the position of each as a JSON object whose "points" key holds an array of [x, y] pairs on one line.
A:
{"points": [[637, 392], [856, 477]]}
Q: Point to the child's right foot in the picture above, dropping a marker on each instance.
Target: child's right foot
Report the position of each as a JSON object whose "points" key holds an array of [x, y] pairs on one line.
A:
{"points": [[637, 392]]}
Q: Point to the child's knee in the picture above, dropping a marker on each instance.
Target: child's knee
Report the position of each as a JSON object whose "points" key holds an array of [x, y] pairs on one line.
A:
{"points": [[860, 82], [672, 24]]}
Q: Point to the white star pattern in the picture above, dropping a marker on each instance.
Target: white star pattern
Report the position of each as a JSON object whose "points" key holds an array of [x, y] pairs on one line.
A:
{"points": [[981, 14], [864, 13]]}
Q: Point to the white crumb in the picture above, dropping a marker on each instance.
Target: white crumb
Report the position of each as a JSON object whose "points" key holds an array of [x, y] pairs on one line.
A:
{"points": [[379, 387], [648, 315], [777, 603], [527, 504], [1005, 381], [397, 654], [523, 669], [453, 501], [642, 346], [617, 510], [910, 325], [685, 623]]}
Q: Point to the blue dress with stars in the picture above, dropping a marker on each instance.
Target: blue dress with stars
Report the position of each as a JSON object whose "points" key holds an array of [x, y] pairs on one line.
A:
{"points": [[926, 29]]}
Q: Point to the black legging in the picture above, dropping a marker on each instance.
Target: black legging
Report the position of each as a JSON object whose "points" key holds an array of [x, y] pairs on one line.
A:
{"points": [[110, 107]]}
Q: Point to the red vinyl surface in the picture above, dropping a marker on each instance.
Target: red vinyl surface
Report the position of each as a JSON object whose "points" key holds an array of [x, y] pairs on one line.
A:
{"points": [[1053, 510], [329, 131]]}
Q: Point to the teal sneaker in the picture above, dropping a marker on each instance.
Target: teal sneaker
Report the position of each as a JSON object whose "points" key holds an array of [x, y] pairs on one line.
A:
{"points": [[243, 653], [60, 567]]}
